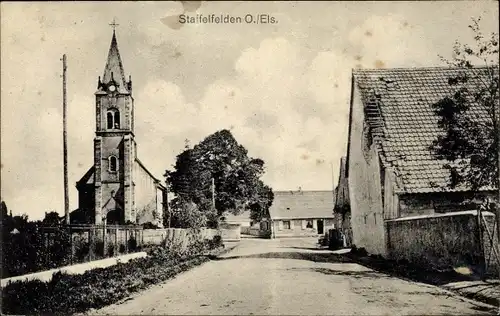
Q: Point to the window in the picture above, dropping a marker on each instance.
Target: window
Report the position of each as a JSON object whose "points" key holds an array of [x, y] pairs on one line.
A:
{"points": [[110, 120], [286, 224], [113, 119], [113, 164], [309, 224], [117, 119]]}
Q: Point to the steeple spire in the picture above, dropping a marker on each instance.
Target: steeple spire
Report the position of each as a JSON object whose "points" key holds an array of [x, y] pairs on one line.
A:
{"points": [[114, 67]]}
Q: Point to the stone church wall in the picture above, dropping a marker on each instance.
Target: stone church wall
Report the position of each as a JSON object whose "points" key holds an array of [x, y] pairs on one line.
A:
{"points": [[146, 197]]}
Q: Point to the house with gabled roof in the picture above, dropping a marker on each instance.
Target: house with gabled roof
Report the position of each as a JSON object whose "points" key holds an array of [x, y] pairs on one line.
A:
{"points": [[300, 214], [391, 170]]}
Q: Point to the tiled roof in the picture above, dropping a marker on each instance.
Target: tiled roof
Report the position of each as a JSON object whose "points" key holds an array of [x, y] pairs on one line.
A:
{"points": [[302, 205], [87, 178], [408, 123]]}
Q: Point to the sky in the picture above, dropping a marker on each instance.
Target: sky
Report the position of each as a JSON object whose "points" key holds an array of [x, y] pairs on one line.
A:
{"points": [[281, 88]]}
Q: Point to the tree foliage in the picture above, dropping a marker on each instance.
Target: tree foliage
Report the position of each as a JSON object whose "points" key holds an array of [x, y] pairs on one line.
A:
{"points": [[27, 244], [468, 114], [236, 178], [52, 219]]}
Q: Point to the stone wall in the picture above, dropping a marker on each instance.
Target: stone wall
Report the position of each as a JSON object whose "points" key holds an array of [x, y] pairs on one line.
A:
{"points": [[175, 235], [440, 241], [255, 231], [492, 266]]}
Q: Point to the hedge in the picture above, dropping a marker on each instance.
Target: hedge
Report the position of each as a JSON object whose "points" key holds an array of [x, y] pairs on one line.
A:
{"points": [[69, 294]]}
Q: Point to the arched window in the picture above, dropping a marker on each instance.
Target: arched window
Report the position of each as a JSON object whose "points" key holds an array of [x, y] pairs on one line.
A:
{"points": [[113, 119], [113, 164]]}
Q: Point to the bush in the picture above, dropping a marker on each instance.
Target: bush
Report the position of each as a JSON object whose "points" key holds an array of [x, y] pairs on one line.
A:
{"points": [[132, 244], [82, 252], [111, 250], [149, 225], [99, 249], [361, 252], [33, 250], [217, 241]]}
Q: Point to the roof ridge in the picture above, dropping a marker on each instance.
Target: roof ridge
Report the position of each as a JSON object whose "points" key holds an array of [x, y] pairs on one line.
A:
{"points": [[146, 169], [421, 68]]}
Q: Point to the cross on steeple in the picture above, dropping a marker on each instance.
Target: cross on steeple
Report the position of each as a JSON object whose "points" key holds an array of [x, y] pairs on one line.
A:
{"points": [[114, 24]]}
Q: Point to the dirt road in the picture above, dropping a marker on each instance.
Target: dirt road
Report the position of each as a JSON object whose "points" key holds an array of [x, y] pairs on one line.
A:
{"points": [[277, 277]]}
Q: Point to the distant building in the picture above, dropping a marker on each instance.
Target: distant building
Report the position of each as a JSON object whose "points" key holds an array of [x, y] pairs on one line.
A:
{"points": [[391, 170], [342, 207], [299, 214], [118, 188]]}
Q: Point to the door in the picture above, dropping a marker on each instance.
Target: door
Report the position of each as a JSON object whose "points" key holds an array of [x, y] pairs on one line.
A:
{"points": [[320, 227]]}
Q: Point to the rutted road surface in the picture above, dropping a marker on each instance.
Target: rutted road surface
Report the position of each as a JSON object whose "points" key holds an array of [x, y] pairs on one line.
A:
{"points": [[289, 277]]}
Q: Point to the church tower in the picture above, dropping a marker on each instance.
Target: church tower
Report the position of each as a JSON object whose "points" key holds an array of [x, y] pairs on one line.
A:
{"points": [[114, 143], [117, 188]]}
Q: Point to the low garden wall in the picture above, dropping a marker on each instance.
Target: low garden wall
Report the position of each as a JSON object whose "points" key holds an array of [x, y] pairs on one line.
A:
{"points": [[255, 231], [230, 232], [177, 235], [443, 241]]}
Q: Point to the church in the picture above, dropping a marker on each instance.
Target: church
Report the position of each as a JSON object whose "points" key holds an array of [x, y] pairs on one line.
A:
{"points": [[118, 188]]}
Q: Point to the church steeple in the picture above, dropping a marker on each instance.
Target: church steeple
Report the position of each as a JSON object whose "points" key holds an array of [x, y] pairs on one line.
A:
{"points": [[114, 75]]}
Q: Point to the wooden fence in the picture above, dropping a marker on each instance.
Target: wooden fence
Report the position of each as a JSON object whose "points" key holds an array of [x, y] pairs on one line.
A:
{"points": [[94, 242]]}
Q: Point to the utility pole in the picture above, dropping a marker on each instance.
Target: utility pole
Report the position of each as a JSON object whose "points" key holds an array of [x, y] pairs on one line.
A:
{"points": [[65, 146], [333, 181], [168, 206]]}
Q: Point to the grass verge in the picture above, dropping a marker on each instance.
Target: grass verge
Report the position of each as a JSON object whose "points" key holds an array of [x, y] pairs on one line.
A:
{"points": [[69, 294]]}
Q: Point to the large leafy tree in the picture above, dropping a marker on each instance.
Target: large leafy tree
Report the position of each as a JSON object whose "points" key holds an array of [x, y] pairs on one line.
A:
{"points": [[470, 142], [219, 170], [51, 219]]}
